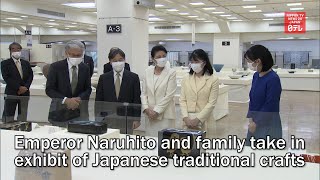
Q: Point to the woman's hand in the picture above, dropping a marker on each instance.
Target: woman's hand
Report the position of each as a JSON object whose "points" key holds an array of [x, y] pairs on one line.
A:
{"points": [[195, 123], [153, 115], [252, 126]]}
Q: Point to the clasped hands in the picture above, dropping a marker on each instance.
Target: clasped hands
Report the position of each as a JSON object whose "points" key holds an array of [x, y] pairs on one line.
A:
{"points": [[192, 123], [22, 90], [252, 126], [152, 115], [73, 103]]}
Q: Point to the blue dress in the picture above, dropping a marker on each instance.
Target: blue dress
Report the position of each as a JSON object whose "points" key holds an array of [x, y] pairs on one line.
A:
{"points": [[264, 106]]}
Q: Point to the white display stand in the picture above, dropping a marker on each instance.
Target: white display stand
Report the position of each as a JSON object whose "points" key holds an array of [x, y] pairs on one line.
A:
{"points": [[301, 80]]}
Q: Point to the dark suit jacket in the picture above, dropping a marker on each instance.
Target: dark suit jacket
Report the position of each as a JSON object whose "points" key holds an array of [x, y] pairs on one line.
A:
{"points": [[12, 77], [89, 61], [58, 86], [129, 92], [108, 67]]}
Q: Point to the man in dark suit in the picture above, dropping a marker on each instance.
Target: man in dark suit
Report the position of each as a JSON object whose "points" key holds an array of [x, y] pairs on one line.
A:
{"points": [[18, 75], [88, 61], [69, 86], [122, 86], [108, 67]]}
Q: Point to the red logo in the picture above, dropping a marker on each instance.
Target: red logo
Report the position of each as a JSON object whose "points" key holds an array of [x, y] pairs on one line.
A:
{"points": [[295, 22]]}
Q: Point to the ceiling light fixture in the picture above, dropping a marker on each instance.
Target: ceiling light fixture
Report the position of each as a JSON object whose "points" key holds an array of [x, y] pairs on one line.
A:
{"points": [[197, 3], [201, 19], [184, 14], [296, 9], [74, 23], [193, 16], [15, 19], [274, 14], [268, 19], [51, 20], [81, 5], [254, 11], [52, 24], [209, 8], [159, 5], [225, 15], [249, 7], [155, 19], [24, 16], [172, 10], [208, 21], [294, 4], [217, 12], [232, 18], [237, 20]]}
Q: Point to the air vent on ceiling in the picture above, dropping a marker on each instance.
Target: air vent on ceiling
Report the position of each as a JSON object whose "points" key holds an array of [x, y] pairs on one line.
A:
{"points": [[51, 13], [167, 27], [276, 24]]}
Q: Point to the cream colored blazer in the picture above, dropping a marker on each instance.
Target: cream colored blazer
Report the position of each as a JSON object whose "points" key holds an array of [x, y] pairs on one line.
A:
{"points": [[159, 94], [205, 96]]}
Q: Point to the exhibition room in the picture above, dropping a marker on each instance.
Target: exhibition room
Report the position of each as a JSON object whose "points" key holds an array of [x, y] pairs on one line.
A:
{"points": [[145, 89]]}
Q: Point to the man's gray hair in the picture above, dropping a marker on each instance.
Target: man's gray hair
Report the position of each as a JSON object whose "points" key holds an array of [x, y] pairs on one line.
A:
{"points": [[74, 44]]}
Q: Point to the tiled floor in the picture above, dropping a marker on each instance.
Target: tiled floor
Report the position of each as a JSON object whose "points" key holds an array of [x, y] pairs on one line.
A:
{"points": [[299, 115]]}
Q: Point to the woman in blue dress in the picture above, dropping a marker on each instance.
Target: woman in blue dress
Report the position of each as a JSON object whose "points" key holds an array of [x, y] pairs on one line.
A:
{"points": [[263, 114]]}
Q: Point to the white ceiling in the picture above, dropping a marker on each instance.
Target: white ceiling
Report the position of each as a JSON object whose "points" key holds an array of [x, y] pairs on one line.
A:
{"points": [[228, 7]]}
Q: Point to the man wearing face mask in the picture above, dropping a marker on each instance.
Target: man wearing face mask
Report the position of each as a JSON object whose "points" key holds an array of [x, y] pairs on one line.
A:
{"points": [[18, 75], [108, 67], [122, 86], [69, 86]]}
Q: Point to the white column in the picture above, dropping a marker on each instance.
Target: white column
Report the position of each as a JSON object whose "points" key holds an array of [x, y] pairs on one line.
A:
{"points": [[133, 39], [230, 56]]}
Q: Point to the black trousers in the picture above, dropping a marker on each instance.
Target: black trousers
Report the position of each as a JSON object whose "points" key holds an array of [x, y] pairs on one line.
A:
{"points": [[10, 106]]}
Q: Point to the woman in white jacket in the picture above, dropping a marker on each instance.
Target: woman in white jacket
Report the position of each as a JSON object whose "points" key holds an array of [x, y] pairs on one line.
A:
{"points": [[158, 92]]}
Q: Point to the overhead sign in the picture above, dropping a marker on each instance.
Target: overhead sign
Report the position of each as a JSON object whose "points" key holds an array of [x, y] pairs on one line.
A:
{"points": [[114, 28], [28, 34], [295, 22], [225, 43]]}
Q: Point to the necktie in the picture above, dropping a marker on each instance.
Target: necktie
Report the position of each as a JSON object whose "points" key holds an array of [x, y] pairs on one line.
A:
{"points": [[117, 85], [74, 80], [18, 64]]}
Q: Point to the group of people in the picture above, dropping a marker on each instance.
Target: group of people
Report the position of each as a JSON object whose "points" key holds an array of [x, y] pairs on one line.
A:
{"points": [[69, 87]]}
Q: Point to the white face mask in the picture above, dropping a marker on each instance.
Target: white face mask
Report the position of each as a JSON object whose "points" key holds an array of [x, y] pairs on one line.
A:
{"points": [[196, 67], [16, 55], [161, 62], [75, 61], [118, 66], [250, 66]]}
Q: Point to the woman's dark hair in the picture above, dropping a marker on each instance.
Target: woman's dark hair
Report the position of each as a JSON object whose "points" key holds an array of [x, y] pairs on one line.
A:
{"points": [[14, 44], [262, 53], [200, 54], [114, 51], [156, 49]]}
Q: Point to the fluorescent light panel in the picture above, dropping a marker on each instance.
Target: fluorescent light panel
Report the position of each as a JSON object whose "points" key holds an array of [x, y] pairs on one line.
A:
{"points": [[249, 7], [197, 3], [274, 14], [268, 19], [296, 9], [172, 10], [209, 8], [15, 19], [225, 15], [159, 5], [217, 12], [81, 5], [193, 16], [253, 11], [294, 4], [184, 13]]}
